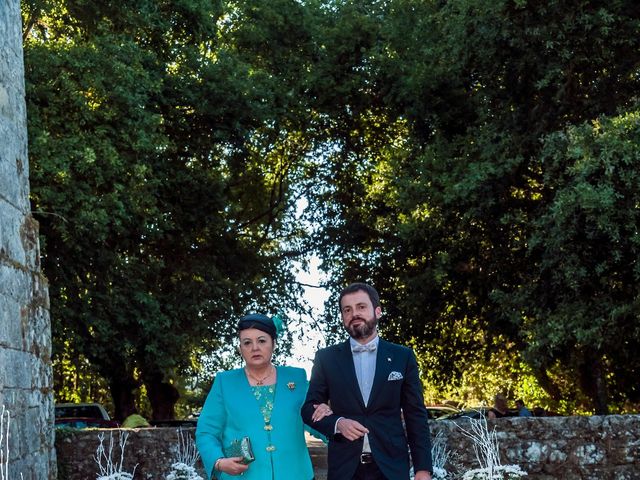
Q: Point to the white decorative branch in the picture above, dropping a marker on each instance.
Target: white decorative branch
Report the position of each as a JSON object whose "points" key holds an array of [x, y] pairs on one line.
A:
{"points": [[487, 451], [111, 470], [186, 456], [5, 420]]}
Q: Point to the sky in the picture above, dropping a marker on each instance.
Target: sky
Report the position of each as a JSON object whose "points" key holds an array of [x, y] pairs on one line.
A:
{"points": [[304, 351]]}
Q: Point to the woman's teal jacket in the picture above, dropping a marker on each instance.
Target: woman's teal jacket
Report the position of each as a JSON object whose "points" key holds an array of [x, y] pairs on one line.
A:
{"points": [[232, 412]]}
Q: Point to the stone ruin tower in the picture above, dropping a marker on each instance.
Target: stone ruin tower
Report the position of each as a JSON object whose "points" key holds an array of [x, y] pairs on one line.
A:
{"points": [[25, 334]]}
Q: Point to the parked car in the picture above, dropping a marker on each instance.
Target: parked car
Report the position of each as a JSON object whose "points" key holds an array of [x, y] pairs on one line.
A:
{"points": [[83, 422], [83, 415], [185, 422], [437, 411], [475, 413]]}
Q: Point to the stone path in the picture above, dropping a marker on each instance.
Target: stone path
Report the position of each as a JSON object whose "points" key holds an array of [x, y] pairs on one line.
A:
{"points": [[318, 452]]}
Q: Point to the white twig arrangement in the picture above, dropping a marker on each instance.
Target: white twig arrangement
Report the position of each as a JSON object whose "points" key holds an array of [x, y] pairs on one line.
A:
{"points": [[5, 420], [501, 472], [486, 448], [186, 456], [485, 443], [112, 470], [440, 456]]}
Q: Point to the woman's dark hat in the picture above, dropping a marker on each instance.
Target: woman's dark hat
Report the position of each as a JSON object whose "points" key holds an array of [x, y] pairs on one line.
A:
{"points": [[260, 322]]}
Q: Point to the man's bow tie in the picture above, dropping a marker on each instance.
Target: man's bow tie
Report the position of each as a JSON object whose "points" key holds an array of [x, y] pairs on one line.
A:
{"points": [[371, 347]]}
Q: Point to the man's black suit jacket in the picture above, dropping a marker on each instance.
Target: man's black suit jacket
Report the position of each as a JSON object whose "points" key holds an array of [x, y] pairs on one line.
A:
{"points": [[396, 392]]}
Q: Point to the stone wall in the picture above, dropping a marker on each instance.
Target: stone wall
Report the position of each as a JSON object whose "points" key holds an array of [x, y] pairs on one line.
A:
{"points": [[25, 337], [151, 451], [567, 448]]}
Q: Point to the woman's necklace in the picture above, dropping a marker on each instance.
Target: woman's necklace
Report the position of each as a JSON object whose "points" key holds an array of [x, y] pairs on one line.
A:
{"points": [[259, 381]]}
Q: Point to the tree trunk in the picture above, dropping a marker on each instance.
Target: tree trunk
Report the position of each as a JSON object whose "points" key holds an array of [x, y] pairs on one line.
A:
{"points": [[594, 384], [548, 384], [162, 396], [122, 392]]}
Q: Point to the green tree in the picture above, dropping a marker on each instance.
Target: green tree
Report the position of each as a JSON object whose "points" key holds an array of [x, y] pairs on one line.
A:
{"points": [[438, 201], [577, 305], [435, 143], [163, 141]]}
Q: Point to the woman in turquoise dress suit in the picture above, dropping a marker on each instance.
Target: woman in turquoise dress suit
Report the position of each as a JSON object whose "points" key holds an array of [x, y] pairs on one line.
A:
{"points": [[260, 401]]}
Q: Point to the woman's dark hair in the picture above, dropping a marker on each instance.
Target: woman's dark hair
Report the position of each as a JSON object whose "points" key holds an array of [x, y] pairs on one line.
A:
{"points": [[258, 321]]}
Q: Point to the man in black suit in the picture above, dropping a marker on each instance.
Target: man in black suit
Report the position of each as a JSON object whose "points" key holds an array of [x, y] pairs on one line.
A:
{"points": [[359, 392]]}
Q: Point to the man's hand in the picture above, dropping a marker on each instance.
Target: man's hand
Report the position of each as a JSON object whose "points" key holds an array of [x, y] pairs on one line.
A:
{"points": [[350, 429], [422, 475]]}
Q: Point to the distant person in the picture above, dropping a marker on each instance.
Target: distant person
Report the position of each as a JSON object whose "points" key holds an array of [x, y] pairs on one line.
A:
{"points": [[522, 410], [539, 412], [370, 384], [499, 408], [262, 402]]}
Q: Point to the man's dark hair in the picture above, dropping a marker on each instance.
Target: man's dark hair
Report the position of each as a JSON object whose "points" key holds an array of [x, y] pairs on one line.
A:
{"points": [[360, 287]]}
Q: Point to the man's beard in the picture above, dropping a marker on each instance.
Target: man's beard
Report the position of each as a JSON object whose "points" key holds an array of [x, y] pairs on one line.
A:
{"points": [[362, 330]]}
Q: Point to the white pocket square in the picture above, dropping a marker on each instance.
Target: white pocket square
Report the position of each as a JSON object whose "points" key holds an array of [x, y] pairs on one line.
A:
{"points": [[395, 376]]}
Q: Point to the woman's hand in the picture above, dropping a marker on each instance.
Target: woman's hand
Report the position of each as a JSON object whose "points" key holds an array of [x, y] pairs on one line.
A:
{"points": [[232, 466], [321, 410]]}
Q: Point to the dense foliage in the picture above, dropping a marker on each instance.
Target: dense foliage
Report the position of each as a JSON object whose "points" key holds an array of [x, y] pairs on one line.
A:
{"points": [[451, 189], [477, 161], [161, 139]]}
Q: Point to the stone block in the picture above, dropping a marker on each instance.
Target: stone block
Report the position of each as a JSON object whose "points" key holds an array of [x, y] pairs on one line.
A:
{"points": [[15, 283], [9, 315]]}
